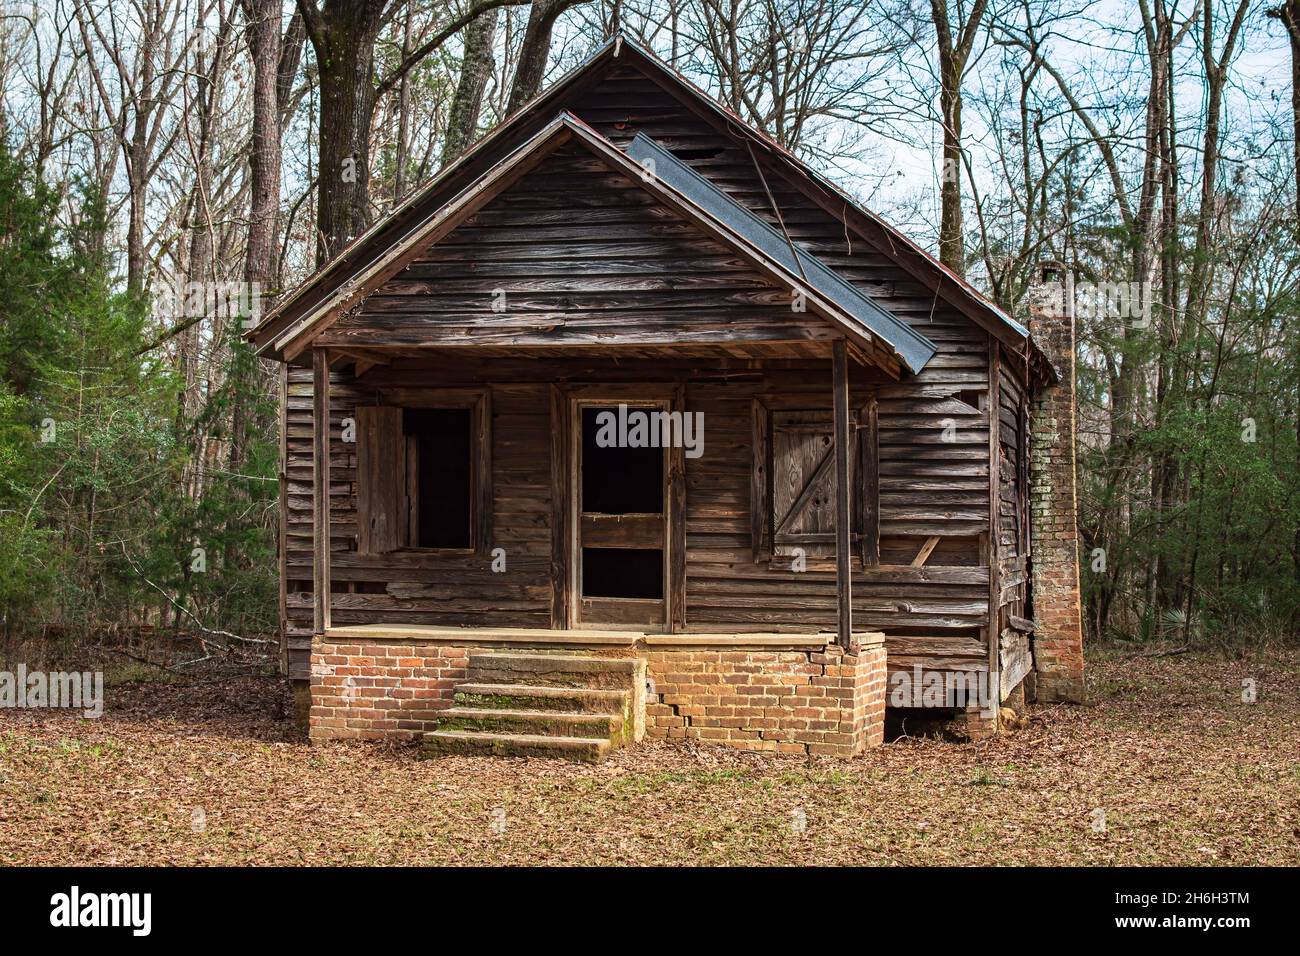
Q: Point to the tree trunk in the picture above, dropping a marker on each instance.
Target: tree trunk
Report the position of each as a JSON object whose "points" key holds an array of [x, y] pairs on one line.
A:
{"points": [[263, 18], [535, 50], [403, 115], [1289, 14], [475, 68], [954, 53], [343, 35], [952, 252]]}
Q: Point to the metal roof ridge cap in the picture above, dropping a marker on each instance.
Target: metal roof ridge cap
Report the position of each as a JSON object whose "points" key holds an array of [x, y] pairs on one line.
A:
{"points": [[766, 141], [591, 137]]}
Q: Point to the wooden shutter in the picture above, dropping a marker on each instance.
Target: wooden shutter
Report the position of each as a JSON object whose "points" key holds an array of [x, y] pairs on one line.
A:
{"points": [[382, 508], [803, 483]]}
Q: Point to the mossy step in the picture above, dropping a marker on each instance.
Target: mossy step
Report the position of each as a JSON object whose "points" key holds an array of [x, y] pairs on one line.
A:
{"points": [[587, 700], [544, 723], [566, 670], [468, 742]]}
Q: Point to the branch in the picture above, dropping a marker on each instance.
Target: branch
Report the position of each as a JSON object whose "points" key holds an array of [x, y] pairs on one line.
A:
{"points": [[311, 19], [187, 612], [439, 38]]}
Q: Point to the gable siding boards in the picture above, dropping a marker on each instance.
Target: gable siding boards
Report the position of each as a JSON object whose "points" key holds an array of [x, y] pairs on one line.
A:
{"points": [[1013, 493], [579, 255]]}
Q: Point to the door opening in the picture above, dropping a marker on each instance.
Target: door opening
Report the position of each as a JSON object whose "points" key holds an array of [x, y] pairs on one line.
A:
{"points": [[621, 527]]}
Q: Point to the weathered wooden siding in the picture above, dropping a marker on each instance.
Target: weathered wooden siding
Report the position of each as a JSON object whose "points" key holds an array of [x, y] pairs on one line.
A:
{"points": [[644, 265], [932, 614], [934, 611], [1013, 491], [420, 587]]}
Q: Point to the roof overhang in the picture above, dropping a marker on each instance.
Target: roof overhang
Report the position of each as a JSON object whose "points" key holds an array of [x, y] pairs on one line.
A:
{"points": [[912, 349]]}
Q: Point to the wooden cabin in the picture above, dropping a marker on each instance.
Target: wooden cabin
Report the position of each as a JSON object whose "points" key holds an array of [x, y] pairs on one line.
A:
{"points": [[629, 423]]}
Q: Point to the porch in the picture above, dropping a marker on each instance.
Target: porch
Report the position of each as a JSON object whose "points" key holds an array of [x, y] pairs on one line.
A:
{"points": [[578, 693]]}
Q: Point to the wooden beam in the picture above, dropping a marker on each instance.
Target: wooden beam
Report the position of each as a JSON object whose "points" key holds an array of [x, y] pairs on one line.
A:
{"points": [[320, 524], [869, 463], [282, 537], [760, 485], [676, 590], [843, 512], [484, 500], [994, 403], [927, 549], [560, 531]]}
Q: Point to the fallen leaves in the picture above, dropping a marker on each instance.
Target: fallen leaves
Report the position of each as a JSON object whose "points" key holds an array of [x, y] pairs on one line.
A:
{"points": [[1186, 772]]}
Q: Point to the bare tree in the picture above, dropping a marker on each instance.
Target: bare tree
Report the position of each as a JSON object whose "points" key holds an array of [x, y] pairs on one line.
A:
{"points": [[343, 35], [1289, 15], [536, 49], [135, 83], [956, 30]]}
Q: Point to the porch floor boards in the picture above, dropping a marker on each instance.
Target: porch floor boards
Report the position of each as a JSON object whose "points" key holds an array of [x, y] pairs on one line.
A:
{"points": [[524, 636]]}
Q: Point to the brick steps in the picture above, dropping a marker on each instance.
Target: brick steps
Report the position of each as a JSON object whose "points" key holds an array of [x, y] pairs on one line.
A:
{"points": [[553, 670], [539, 697], [541, 705], [485, 743], [537, 723]]}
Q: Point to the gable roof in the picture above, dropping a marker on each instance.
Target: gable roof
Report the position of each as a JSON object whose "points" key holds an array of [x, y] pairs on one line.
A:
{"points": [[877, 341], [341, 280]]}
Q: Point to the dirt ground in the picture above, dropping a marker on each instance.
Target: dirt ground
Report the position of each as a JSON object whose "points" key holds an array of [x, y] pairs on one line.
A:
{"points": [[1168, 766]]}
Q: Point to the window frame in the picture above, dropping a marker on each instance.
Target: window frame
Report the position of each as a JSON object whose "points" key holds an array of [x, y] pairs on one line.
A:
{"points": [[478, 401]]}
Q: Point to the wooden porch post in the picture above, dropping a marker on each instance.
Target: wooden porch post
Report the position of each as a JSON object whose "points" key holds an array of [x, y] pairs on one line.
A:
{"points": [[995, 524], [843, 525], [320, 487]]}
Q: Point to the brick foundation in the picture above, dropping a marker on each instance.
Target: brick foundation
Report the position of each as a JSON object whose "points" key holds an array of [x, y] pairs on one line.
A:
{"points": [[374, 690], [811, 701], [1054, 533], [789, 701]]}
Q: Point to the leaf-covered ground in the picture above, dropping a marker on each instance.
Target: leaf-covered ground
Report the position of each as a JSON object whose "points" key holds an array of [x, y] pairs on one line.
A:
{"points": [[1183, 770]]}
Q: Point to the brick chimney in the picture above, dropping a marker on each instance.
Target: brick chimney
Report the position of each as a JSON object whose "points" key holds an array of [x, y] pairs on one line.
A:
{"points": [[1054, 518]]}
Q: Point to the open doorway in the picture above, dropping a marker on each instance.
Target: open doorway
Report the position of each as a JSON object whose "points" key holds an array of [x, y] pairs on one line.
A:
{"points": [[621, 527]]}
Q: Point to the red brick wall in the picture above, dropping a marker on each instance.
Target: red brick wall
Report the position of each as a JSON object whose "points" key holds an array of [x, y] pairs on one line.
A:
{"points": [[1054, 532], [788, 701], [375, 691]]}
